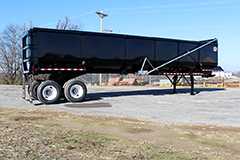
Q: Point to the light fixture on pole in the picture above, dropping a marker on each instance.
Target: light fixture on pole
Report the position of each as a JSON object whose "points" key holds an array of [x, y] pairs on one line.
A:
{"points": [[101, 15]]}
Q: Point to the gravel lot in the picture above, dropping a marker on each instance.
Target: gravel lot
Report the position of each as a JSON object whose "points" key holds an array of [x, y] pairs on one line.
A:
{"points": [[215, 106]]}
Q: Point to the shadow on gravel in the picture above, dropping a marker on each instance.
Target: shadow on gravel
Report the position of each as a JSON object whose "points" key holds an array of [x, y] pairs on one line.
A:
{"points": [[100, 95], [89, 105], [38, 103], [77, 105]]}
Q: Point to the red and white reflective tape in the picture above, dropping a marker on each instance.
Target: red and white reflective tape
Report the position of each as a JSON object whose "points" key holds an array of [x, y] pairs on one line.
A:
{"points": [[195, 74], [212, 70], [63, 69], [176, 73], [198, 74]]}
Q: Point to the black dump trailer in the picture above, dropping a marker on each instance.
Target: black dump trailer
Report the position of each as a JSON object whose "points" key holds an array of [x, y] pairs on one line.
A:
{"points": [[62, 55]]}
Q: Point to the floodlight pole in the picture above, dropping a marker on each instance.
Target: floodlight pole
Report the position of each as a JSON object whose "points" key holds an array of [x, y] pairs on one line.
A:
{"points": [[101, 15]]}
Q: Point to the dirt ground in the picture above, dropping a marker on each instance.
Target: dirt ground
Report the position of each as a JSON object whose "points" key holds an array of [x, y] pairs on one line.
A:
{"points": [[53, 134]]}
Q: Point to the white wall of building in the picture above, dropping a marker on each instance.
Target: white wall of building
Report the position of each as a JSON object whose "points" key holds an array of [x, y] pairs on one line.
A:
{"points": [[221, 74]]}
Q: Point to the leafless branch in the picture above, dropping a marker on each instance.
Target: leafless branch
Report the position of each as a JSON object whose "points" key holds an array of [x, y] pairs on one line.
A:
{"points": [[67, 24], [10, 53]]}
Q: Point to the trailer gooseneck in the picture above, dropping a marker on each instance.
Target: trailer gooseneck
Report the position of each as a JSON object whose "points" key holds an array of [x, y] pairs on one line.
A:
{"points": [[63, 55]]}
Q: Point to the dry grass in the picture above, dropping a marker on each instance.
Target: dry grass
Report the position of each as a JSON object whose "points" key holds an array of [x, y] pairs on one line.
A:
{"points": [[52, 134]]}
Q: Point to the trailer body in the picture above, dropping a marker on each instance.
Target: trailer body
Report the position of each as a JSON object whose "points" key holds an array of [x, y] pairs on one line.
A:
{"points": [[67, 54], [109, 53]]}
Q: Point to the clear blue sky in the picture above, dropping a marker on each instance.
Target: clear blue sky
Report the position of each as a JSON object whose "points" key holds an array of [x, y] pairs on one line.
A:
{"points": [[185, 19]]}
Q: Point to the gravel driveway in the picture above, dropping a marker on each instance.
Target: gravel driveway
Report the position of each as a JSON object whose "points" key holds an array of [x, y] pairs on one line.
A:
{"points": [[215, 106]]}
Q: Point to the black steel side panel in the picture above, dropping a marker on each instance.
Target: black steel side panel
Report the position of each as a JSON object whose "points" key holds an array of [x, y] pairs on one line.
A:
{"points": [[183, 47], [139, 48], [187, 61], [165, 51], [55, 47], [103, 51], [208, 57], [110, 53], [136, 50]]}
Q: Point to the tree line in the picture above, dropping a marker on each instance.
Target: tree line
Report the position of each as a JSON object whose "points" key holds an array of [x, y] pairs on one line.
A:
{"points": [[11, 49], [237, 74]]}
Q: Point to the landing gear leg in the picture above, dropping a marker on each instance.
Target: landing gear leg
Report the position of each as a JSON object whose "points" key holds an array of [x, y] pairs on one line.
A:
{"points": [[175, 78], [174, 82]]}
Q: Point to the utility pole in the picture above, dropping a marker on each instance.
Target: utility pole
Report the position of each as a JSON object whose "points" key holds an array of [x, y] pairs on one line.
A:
{"points": [[101, 15]]}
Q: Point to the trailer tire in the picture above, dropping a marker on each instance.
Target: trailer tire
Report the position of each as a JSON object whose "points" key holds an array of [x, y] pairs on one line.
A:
{"points": [[48, 92], [33, 88], [75, 91]]}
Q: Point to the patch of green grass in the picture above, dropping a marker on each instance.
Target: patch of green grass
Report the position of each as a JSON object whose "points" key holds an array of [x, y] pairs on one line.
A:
{"points": [[49, 139], [156, 156], [5, 113]]}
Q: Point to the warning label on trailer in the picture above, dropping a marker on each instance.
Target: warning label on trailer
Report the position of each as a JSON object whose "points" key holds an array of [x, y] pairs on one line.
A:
{"points": [[215, 49]]}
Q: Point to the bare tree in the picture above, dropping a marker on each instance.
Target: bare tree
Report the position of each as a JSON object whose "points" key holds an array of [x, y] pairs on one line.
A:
{"points": [[11, 49], [67, 24], [236, 74], [10, 53]]}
